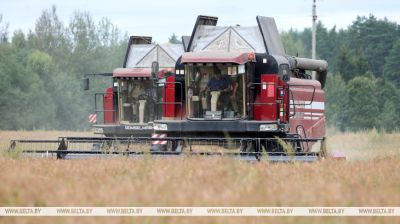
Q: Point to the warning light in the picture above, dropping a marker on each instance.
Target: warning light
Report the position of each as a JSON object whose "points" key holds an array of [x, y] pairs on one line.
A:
{"points": [[252, 57]]}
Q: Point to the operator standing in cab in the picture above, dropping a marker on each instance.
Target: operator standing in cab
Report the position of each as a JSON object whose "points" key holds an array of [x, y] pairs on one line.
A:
{"points": [[219, 87], [136, 90]]}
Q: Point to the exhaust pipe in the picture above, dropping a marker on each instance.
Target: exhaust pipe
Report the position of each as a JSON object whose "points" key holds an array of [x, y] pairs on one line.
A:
{"points": [[319, 66]]}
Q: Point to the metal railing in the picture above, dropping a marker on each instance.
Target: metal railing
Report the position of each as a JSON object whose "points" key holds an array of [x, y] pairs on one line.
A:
{"points": [[249, 103], [292, 104], [162, 103], [274, 149], [100, 112]]}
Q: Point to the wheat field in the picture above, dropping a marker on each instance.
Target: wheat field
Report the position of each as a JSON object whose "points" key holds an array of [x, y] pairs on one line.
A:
{"points": [[369, 177]]}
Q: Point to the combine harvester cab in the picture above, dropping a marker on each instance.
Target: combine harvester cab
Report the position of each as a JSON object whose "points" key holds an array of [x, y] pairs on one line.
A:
{"points": [[129, 107], [236, 86]]}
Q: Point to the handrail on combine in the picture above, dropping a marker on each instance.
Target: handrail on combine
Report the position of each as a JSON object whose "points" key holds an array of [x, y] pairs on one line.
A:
{"points": [[312, 96], [291, 98], [102, 110], [164, 93]]}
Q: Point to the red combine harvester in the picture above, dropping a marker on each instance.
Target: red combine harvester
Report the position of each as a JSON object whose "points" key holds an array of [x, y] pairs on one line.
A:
{"points": [[235, 84], [232, 92], [128, 108]]}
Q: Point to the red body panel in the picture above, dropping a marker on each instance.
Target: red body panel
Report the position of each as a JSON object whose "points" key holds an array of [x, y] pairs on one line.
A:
{"points": [[169, 98], [265, 107], [109, 117], [309, 108]]}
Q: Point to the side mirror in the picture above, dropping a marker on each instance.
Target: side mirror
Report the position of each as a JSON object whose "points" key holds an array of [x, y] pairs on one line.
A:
{"points": [[85, 83], [284, 72], [154, 70]]}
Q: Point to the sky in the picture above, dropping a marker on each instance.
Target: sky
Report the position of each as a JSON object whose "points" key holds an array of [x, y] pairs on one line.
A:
{"points": [[160, 19]]}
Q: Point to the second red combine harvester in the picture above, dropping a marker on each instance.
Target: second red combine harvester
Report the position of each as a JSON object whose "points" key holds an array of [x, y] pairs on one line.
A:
{"points": [[129, 108], [236, 84]]}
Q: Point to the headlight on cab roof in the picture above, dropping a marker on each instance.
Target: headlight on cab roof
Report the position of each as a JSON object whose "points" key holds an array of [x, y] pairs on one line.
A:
{"points": [[160, 127], [268, 127]]}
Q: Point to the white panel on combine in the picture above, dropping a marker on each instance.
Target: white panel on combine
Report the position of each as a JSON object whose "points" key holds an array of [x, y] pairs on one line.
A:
{"points": [[174, 50], [142, 55], [253, 36], [137, 52], [237, 43], [204, 36], [229, 39], [164, 59], [315, 105], [221, 43], [148, 59]]}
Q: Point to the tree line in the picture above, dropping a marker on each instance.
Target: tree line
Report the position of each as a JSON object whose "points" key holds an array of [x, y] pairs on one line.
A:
{"points": [[41, 71]]}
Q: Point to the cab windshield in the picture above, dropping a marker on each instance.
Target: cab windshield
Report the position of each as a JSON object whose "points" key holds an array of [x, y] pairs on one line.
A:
{"points": [[215, 91], [135, 101]]}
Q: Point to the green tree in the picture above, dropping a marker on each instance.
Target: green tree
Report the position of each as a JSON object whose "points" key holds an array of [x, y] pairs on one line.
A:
{"points": [[82, 32], [386, 118], [41, 63], [174, 39], [108, 33], [361, 107], [40, 73], [292, 45], [110, 52], [18, 40], [375, 37], [392, 65], [305, 37], [323, 47], [389, 102], [96, 49], [50, 37], [386, 91], [351, 65], [24, 103], [343, 65], [335, 92]]}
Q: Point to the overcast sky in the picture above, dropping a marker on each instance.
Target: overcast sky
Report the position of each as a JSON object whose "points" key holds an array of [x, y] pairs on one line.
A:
{"points": [[160, 19]]}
